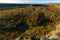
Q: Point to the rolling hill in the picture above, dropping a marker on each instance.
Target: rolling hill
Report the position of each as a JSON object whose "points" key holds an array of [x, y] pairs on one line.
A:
{"points": [[32, 21]]}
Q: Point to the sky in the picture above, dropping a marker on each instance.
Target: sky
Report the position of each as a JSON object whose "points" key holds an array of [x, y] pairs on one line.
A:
{"points": [[29, 1]]}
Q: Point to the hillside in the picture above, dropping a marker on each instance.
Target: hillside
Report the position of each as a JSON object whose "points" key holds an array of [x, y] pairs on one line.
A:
{"points": [[11, 6], [28, 22]]}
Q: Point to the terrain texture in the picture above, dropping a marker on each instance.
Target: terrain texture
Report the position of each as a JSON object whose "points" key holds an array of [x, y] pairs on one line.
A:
{"points": [[30, 23]]}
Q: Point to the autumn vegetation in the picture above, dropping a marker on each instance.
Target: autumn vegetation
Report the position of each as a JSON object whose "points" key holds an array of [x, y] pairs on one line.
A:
{"points": [[29, 21]]}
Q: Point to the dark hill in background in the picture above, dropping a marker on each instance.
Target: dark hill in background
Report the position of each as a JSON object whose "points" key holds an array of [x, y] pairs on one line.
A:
{"points": [[12, 6], [21, 5]]}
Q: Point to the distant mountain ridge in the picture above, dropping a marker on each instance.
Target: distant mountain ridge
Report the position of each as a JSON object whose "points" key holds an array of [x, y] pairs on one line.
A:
{"points": [[21, 5], [12, 6]]}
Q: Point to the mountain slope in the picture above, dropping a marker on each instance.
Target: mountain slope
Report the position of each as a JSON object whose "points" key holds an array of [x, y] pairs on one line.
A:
{"points": [[30, 21]]}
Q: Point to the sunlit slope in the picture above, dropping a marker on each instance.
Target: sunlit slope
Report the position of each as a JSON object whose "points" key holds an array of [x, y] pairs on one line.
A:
{"points": [[28, 21], [58, 6]]}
